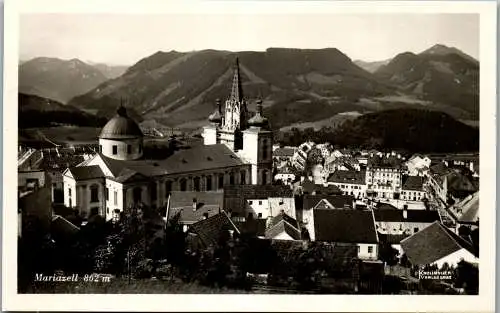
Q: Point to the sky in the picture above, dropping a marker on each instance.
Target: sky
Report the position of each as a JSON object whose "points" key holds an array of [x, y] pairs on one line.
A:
{"points": [[125, 39]]}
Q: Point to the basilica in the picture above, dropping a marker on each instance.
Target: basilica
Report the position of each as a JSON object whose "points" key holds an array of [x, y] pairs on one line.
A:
{"points": [[237, 150]]}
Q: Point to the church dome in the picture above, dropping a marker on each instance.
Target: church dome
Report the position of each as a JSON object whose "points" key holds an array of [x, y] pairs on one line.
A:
{"points": [[258, 120], [121, 126], [216, 117]]}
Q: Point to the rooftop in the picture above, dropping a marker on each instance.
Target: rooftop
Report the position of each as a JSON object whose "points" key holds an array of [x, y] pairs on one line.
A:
{"points": [[412, 216], [433, 243], [337, 201], [121, 126], [377, 161], [211, 230], [284, 152], [413, 183], [346, 226], [86, 172], [348, 177]]}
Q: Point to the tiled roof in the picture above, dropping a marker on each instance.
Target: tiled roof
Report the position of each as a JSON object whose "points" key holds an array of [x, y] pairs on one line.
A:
{"points": [[187, 215], [201, 158], [235, 196], [432, 244], [189, 160], [338, 201], [60, 163], [413, 183], [283, 217], [348, 177], [309, 187], [208, 203], [254, 227], [284, 152], [413, 216], [210, 230], [185, 198], [283, 227], [440, 169], [384, 162], [347, 226], [86, 172]]}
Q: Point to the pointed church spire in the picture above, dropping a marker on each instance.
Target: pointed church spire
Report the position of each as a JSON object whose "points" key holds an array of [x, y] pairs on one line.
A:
{"points": [[236, 90]]}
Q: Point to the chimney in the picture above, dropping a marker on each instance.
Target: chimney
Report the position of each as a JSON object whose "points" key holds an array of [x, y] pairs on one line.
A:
{"points": [[195, 204]]}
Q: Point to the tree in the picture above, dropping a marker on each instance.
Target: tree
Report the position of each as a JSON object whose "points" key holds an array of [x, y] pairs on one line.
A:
{"points": [[388, 254], [467, 277]]}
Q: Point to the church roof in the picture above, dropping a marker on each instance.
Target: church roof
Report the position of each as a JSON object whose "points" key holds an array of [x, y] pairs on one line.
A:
{"points": [[86, 172], [121, 126], [184, 161], [201, 158]]}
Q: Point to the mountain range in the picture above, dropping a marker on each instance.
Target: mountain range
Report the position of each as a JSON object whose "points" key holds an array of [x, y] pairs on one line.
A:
{"points": [[298, 86], [61, 80]]}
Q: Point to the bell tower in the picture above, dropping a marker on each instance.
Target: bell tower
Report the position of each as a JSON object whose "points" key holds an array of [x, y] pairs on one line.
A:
{"points": [[258, 148], [235, 114]]}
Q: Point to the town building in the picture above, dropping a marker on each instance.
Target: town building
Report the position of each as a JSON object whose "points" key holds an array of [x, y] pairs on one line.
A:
{"points": [[413, 188], [237, 150], [258, 201], [437, 245], [299, 158], [283, 227], [193, 206], [346, 226], [350, 182], [393, 221], [384, 176], [418, 165]]}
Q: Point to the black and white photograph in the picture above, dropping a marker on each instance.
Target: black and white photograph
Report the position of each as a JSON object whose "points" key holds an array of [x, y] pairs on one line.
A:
{"points": [[230, 149]]}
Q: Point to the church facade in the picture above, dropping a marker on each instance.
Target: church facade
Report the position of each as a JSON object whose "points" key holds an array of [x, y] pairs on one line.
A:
{"points": [[237, 150]]}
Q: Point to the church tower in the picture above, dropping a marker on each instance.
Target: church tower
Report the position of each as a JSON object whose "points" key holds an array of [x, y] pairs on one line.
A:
{"points": [[235, 114], [258, 148]]}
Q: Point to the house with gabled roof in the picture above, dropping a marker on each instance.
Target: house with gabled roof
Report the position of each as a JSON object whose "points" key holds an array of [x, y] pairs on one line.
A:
{"points": [[346, 226], [437, 245], [259, 201], [211, 231], [413, 188], [283, 227], [351, 182], [193, 206]]}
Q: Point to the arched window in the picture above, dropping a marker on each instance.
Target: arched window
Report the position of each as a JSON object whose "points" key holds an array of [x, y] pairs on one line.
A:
{"points": [[231, 178], [137, 194], [221, 181], [209, 182], [94, 193], [196, 184], [243, 177], [168, 187], [183, 184]]}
